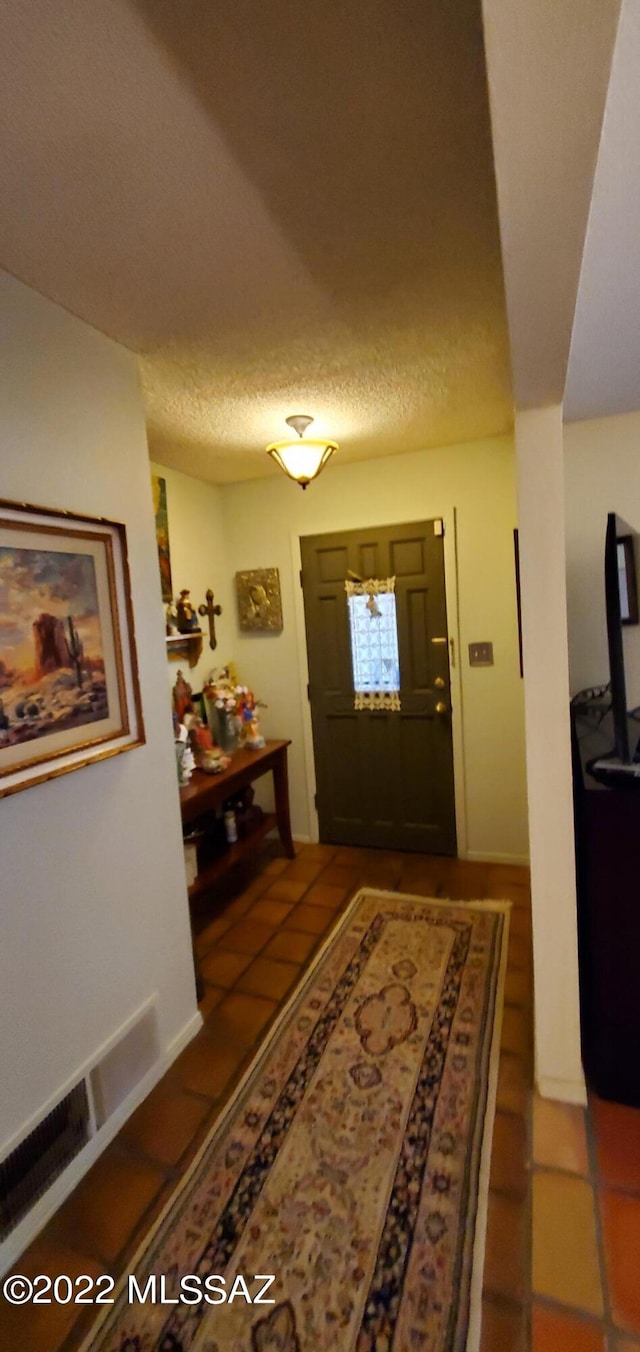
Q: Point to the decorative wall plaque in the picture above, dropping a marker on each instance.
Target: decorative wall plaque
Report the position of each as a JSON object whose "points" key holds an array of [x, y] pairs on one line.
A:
{"points": [[259, 601]]}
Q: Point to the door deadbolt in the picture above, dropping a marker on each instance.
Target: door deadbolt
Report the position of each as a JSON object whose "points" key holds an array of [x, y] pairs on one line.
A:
{"points": [[439, 683]]}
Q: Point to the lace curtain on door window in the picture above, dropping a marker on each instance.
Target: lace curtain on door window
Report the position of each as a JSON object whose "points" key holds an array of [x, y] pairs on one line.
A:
{"points": [[374, 643]]}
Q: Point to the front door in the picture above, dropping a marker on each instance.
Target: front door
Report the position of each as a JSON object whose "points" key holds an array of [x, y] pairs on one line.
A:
{"points": [[384, 775]]}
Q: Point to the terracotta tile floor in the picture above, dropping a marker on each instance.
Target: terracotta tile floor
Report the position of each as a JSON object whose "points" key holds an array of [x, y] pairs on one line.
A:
{"points": [[253, 939], [586, 1228]]}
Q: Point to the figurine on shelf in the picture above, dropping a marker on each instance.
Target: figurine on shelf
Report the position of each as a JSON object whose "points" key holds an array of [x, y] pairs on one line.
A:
{"points": [[184, 756], [187, 620], [170, 620], [182, 697]]}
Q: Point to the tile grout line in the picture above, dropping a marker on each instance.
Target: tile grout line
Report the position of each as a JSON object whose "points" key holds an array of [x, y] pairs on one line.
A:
{"points": [[611, 1330]]}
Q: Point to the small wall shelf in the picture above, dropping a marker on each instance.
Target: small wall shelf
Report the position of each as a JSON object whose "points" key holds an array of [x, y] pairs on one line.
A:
{"points": [[184, 645]]}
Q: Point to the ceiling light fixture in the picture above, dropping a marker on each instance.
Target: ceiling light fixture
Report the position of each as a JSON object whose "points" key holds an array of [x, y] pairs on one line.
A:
{"points": [[301, 460]]}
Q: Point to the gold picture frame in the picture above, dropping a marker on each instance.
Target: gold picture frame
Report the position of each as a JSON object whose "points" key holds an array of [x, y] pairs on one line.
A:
{"points": [[69, 686], [259, 600]]}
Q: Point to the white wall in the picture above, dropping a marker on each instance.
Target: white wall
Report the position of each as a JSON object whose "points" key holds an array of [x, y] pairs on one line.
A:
{"points": [[544, 627], [263, 520], [601, 475], [94, 908], [198, 561]]}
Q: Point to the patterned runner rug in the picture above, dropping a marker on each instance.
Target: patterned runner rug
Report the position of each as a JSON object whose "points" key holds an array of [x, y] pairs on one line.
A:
{"points": [[352, 1163]]}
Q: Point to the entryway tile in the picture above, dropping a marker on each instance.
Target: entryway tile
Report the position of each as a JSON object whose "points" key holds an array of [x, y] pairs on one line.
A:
{"points": [[346, 878], [565, 1255], [206, 1068], [106, 1207], [222, 967], [420, 885], [286, 889], [621, 1236], [268, 911], [324, 853], [43, 1328], [290, 945], [514, 1084], [555, 1331], [516, 1031], [617, 1130], [325, 894], [165, 1124], [520, 951], [518, 986], [559, 1136], [235, 909], [275, 867], [240, 1019], [311, 919], [213, 931], [519, 895], [269, 978], [506, 1248], [509, 1155], [211, 997], [504, 1327], [246, 936], [303, 870], [520, 922]]}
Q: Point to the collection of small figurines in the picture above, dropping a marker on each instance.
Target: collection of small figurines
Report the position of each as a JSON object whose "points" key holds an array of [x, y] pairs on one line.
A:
{"points": [[232, 720], [232, 709], [193, 739]]}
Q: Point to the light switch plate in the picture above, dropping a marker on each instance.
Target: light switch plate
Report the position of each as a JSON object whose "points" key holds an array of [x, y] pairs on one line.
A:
{"points": [[481, 654]]}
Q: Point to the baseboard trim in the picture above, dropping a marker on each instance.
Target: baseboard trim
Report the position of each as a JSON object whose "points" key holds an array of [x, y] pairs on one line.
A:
{"points": [[566, 1091], [31, 1225], [490, 857], [183, 1038]]}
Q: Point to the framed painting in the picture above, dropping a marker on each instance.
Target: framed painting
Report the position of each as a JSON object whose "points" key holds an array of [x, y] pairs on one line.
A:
{"points": [[69, 689], [159, 487], [259, 601]]}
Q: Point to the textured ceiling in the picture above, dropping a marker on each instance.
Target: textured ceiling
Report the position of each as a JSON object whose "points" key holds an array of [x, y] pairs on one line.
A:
{"points": [[604, 365], [281, 207], [549, 66]]}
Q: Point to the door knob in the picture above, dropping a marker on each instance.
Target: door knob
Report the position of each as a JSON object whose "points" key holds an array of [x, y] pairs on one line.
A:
{"points": [[441, 707]]}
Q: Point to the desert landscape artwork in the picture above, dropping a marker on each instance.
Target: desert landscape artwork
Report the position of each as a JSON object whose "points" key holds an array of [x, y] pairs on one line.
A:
{"points": [[52, 673], [69, 687]]}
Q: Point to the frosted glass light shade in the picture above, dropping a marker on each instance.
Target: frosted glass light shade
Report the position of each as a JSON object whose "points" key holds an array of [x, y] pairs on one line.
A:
{"points": [[302, 460]]}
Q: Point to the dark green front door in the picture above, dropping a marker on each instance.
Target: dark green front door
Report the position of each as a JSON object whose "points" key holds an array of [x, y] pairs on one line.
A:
{"points": [[383, 777]]}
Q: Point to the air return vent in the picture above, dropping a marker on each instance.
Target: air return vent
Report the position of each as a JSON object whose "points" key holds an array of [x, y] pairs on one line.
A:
{"points": [[43, 1155], [118, 1073]]}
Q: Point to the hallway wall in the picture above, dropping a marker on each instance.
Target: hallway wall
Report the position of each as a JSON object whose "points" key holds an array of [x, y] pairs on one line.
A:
{"points": [[601, 476], [94, 907]]}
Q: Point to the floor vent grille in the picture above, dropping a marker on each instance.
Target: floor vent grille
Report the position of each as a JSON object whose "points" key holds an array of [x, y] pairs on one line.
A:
{"points": [[43, 1155]]}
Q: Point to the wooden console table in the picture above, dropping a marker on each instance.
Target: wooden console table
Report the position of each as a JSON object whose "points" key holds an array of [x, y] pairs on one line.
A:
{"points": [[206, 793]]}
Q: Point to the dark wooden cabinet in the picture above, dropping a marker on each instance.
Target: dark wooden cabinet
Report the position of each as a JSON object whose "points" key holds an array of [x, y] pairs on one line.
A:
{"points": [[608, 867]]}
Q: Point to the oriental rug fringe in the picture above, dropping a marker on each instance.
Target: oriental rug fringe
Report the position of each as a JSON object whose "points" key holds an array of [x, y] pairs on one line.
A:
{"points": [[352, 1162]]}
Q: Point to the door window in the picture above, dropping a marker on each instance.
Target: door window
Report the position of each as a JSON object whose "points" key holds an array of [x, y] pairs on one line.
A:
{"points": [[373, 631]]}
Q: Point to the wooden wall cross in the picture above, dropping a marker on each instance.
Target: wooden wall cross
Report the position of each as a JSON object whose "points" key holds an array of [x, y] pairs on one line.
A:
{"points": [[211, 611]]}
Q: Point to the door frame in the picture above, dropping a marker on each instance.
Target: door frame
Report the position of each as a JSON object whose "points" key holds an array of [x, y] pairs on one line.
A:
{"points": [[448, 516]]}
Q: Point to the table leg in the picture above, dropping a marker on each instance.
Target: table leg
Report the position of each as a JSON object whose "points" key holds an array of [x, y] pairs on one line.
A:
{"points": [[281, 789]]}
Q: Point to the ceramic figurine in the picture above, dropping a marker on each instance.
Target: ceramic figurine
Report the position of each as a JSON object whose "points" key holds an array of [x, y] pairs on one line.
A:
{"points": [[187, 619]]}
